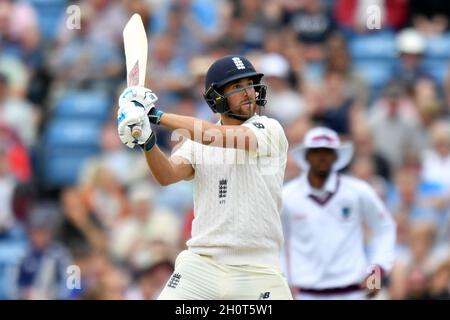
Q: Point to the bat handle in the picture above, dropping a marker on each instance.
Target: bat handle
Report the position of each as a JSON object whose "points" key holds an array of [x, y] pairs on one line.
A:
{"points": [[136, 131]]}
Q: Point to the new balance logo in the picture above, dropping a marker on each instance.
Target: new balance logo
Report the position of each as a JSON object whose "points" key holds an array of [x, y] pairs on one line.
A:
{"points": [[258, 125], [174, 280], [238, 62], [264, 295]]}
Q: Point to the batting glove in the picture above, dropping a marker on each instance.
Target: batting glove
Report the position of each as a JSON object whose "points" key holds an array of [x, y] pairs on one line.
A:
{"points": [[127, 117], [142, 98]]}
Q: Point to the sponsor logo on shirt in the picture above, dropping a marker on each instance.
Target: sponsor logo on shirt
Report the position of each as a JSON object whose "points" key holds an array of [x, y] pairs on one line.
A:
{"points": [[345, 212]]}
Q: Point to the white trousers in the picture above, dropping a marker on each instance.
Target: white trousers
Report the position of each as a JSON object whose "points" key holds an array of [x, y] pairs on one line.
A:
{"points": [[356, 295], [199, 277]]}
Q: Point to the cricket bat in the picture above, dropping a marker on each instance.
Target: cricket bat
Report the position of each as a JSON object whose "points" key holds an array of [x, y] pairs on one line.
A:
{"points": [[136, 49]]}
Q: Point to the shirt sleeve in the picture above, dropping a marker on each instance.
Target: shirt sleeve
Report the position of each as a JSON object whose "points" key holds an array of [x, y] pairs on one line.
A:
{"points": [[381, 248], [185, 151], [270, 137]]}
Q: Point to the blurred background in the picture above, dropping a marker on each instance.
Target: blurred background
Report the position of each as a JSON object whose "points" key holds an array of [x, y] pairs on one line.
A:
{"points": [[72, 194]]}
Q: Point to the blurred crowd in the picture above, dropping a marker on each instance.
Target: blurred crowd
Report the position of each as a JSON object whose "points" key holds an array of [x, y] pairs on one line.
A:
{"points": [[376, 71]]}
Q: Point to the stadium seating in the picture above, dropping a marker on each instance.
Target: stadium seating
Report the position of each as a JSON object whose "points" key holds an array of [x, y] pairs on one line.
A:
{"points": [[83, 105], [67, 144], [437, 68], [73, 133], [437, 56], [373, 46], [376, 73], [49, 14], [61, 166], [438, 47]]}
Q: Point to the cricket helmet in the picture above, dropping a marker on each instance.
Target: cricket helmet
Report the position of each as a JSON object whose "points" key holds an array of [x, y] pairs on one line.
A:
{"points": [[226, 70]]}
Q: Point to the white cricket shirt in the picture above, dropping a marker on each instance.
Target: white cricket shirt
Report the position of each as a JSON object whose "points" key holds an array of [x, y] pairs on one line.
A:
{"points": [[324, 245], [237, 197]]}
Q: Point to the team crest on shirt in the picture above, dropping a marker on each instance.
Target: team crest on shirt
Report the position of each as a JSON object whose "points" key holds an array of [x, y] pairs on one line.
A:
{"points": [[174, 280], [345, 212], [222, 190]]}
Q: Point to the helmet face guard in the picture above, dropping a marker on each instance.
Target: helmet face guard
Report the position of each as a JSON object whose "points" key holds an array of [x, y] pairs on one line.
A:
{"points": [[225, 71], [218, 102]]}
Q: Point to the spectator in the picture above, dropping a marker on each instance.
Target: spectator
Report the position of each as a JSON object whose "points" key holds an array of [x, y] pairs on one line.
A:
{"points": [[150, 281], [76, 62], [193, 24], [338, 59], [42, 272], [197, 68], [8, 187], [428, 112], [104, 195], [19, 30], [393, 118], [255, 19], [338, 109], [12, 236], [364, 147], [411, 48], [103, 22], [439, 288], [414, 268], [109, 280], [435, 176], [446, 96], [407, 197], [18, 164], [429, 17], [285, 104], [136, 239], [436, 160], [363, 167], [16, 111], [116, 159], [353, 15], [312, 23], [169, 70], [81, 230]]}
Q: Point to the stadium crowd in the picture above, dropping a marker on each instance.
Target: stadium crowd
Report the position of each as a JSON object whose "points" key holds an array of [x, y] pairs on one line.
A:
{"points": [[72, 194]]}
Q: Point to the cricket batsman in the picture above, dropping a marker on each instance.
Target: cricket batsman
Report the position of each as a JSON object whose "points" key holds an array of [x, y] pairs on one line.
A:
{"points": [[237, 166]]}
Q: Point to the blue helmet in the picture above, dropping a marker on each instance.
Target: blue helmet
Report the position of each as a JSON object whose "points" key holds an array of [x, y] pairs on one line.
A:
{"points": [[226, 70]]}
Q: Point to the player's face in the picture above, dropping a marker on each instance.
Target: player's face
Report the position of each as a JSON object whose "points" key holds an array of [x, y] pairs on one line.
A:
{"points": [[321, 160], [242, 98]]}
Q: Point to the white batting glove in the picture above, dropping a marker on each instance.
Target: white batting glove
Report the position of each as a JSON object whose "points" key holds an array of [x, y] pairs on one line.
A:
{"points": [[140, 96], [129, 115]]}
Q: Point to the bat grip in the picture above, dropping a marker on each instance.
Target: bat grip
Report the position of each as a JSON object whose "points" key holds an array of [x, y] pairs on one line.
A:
{"points": [[136, 131]]}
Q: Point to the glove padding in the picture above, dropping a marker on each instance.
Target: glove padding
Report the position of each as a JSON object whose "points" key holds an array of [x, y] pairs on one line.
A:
{"points": [[140, 96], [128, 116]]}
